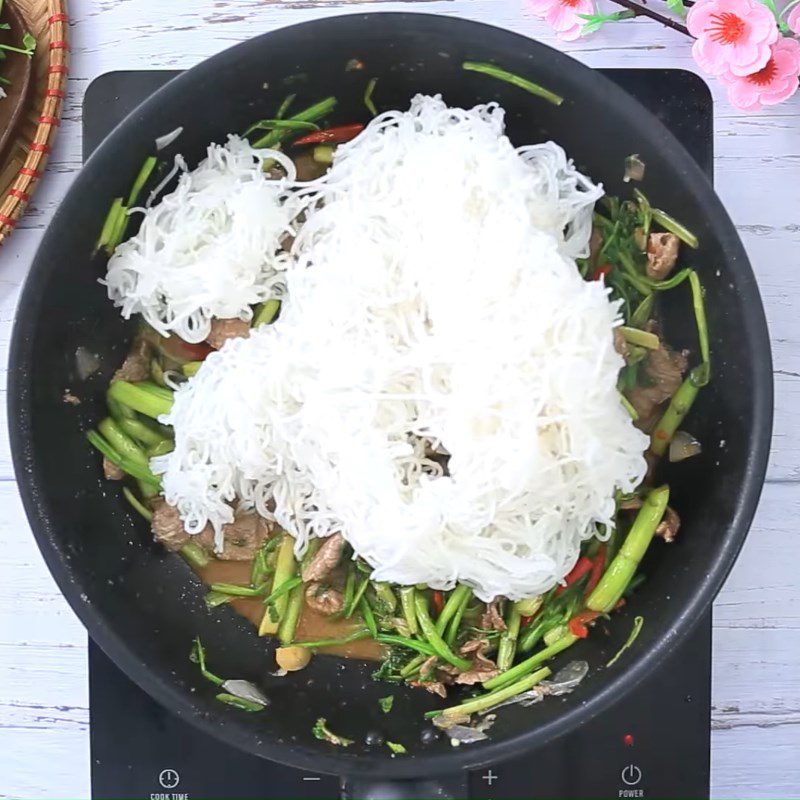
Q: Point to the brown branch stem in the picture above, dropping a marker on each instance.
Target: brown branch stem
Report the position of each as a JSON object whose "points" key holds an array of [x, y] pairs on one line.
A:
{"points": [[644, 11]]}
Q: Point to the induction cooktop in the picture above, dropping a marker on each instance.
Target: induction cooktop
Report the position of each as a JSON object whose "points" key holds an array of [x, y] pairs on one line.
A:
{"points": [[654, 743]]}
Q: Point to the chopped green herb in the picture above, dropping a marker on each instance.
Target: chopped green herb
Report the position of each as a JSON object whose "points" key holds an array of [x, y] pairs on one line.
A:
{"points": [[486, 701], [310, 114], [109, 224], [353, 637], [215, 599], [368, 97], [672, 225], [198, 656], [700, 317], [133, 468], [281, 124], [137, 504], [403, 641], [397, 749], [195, 555], [515, 80], [369, 617], [284, 106], [640, 337], [321, 731], [629, 407], [238, 591], [638, 622], [280, 591], [266, 312], [145, 172], [239, 702], [349, 610], [386, 703]]}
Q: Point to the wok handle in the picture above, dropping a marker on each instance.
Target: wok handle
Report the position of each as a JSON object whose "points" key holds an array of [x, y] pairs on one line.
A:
{"points": [[446, 787]]}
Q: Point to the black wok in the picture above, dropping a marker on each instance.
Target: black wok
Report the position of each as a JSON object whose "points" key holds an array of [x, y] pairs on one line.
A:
{"points": [[143, 606]]}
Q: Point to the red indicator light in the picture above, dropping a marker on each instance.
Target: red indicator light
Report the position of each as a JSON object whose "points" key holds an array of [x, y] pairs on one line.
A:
{"points": [[628, 740]]}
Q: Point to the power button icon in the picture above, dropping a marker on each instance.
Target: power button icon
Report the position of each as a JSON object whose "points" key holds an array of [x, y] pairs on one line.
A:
{"points": [[631, 775]]}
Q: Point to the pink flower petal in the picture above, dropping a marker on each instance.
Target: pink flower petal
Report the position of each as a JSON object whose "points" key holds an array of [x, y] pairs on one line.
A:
{"points": [[541, 7], [740, 7], [748, 57], [571, 34], [560, 17], [773, 84], [781, 94], [708, 56], [743, 97], [763, 25], [698, 18], [751, 25], [793, 20]]}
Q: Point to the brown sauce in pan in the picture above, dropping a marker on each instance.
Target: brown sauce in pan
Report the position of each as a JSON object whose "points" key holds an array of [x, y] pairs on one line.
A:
{"points": [[312, 625]]}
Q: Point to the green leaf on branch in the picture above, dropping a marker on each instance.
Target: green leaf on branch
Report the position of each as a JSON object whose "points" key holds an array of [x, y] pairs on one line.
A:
{"points": [[596, 21], [677, 7]]}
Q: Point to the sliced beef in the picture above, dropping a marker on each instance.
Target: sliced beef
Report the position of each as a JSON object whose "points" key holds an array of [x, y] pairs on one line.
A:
{"points": [[621, 344], [483, 668], [669, 526], [662, 254], [111, 471], [136, 366], [307, 168], [325, 559], [241, 538], [434, 687], [224, 329], [631, 503], [428, 668], [433, 678], [167, 525], [491, 618], [323, 599], [595, 244], [664, 370]]}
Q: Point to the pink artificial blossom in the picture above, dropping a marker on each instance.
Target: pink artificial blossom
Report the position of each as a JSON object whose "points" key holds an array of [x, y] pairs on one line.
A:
{"points": [[732, 35], [775, 82], [562, 15], [793, 20]]}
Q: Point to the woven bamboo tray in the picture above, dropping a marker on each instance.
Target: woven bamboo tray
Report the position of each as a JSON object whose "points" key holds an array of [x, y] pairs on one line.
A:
{"points": [[27, 155]]}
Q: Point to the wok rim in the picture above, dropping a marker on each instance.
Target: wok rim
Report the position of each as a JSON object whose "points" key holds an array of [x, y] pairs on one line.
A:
{"points": [[183, 703]]}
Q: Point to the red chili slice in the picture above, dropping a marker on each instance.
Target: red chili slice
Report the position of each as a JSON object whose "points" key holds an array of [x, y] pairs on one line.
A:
{"points": [[581, 568], [601, 272], [598, 564], [344, 133], [577, 625], [183, 351]]}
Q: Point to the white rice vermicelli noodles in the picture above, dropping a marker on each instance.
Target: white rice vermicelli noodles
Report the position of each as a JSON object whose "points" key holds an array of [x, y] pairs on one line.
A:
{"points": [[433, 307], [210, 248]]}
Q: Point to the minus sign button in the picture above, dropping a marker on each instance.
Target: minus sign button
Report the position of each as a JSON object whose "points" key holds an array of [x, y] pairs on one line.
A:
{"points": [[311, 778]]}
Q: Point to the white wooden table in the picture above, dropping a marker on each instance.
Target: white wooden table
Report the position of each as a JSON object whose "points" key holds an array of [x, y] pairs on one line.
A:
{"points": [[44, 739]]}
